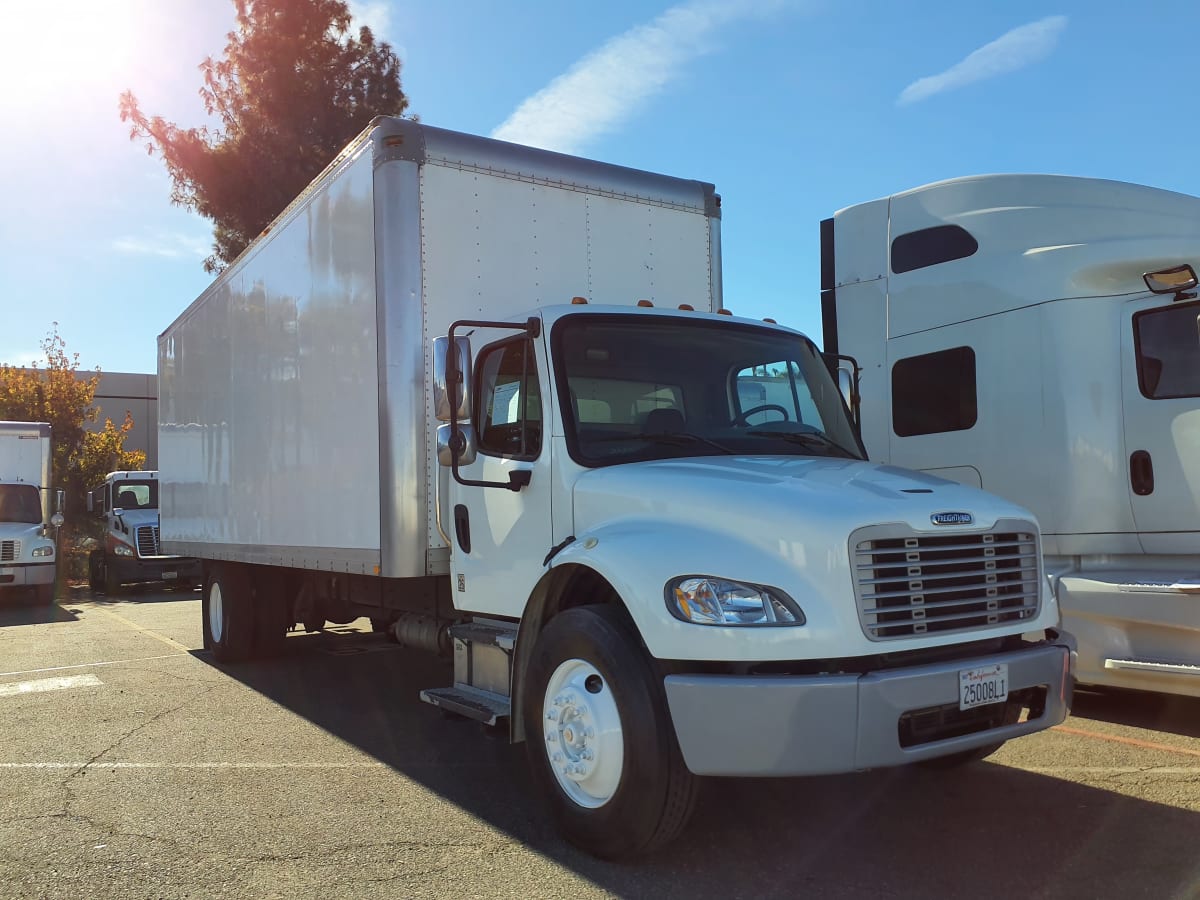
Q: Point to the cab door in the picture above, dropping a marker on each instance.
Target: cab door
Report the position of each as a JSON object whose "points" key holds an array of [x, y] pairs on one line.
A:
{"points": [[499, 536], [1161, 398]]}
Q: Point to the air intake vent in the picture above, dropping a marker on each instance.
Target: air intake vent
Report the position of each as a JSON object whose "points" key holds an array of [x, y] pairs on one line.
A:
{"points": [[147, 540], [910, 584], [10, 551]]}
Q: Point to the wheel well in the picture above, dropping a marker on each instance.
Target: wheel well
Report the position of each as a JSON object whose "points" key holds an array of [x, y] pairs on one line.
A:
{"points": [[564, 587]]}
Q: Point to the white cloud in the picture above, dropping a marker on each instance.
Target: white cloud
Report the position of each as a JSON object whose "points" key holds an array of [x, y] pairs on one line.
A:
{"points": [[607, 86], [1014, 50], [375, 14], [170, 246]]}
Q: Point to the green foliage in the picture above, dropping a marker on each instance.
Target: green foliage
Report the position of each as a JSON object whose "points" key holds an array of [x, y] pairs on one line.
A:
{"points": [[56, 394], [292, 88]]}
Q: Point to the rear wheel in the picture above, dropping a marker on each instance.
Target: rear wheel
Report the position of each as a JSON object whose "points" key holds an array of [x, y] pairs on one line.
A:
{"points": [[228, 613], [601, 746]]}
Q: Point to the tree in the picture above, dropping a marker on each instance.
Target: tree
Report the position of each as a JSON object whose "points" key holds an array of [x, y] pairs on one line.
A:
{"points": [[56, 394], [291, 90]]}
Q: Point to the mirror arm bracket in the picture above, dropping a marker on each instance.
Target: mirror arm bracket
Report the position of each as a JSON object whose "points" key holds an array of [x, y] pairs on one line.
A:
{"points": [[518, 478]]}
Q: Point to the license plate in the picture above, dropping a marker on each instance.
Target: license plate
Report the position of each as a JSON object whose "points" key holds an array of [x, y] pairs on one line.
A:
{"points": [[170, 576], [978, 687]]}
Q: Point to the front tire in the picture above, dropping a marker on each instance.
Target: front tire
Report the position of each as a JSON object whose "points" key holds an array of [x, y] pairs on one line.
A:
{"points": [[44, 594], [601, 747], [228, 613]]}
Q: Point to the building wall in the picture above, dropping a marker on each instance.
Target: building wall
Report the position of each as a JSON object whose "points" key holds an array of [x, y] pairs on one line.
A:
{"points": [[138, 393]]}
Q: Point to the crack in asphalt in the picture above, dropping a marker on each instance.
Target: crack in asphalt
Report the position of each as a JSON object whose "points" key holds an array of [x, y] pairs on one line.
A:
{"points": [[65, 785]]}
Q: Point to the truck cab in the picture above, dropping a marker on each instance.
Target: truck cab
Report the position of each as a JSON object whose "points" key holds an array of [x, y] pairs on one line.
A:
{"points": [[28, 521], [1035, 335], [127, 503]]}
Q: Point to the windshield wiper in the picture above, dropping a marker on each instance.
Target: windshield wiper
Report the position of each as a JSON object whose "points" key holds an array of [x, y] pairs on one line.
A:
{"points": [[814, 437], [674, 438]]}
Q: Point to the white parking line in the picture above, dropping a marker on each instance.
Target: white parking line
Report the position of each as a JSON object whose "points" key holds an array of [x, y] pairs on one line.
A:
{"points": [[19, 688], [92, 665], [199, 765]]}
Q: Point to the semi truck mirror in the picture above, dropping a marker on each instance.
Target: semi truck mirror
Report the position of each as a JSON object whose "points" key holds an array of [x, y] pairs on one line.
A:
{"points": [[449, 368], [1171, 281], [462, 440]]}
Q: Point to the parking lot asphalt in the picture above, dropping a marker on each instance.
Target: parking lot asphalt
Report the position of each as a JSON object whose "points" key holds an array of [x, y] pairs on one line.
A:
{"points": [[133, 765]]}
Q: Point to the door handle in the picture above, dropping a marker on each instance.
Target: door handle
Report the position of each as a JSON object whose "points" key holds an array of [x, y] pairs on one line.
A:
{"points": [[462, 527], [1141, 473]]}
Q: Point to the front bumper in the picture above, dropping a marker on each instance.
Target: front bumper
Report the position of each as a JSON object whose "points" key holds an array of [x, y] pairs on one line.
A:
{"points": [[23, 575], [750, 725], [127, 570]]}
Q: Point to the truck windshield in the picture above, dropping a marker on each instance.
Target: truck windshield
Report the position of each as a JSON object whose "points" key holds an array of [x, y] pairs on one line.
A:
{"points": [[644, 387], [20, 503], [135, 495]]}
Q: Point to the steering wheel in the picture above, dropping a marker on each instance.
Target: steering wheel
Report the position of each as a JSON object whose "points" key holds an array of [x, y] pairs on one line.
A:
{"points": [[740, 418]]}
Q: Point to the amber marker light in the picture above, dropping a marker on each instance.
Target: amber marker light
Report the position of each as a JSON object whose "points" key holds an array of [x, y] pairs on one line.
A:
{"points": [[579, 301], [687, 307], [724, 312], [770, 321], [644, 303]]}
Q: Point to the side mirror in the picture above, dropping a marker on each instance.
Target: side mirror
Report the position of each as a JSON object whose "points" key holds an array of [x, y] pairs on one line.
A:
{"points": [[849, 392], [462, 441], [452, 378], [1171, 281], [60, 503]]}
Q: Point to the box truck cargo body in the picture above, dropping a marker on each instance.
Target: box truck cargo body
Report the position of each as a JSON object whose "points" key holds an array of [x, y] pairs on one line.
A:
{"points": [[29, 509], [489, 397], [1036, 336]]}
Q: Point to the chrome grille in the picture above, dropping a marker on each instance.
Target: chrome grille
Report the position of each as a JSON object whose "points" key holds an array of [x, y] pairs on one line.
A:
{"points": [[10, 551], [147, 540], [909, 583]]}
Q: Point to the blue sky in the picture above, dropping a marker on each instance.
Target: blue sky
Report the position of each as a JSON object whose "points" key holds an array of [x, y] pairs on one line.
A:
{"points": [[792, 108]]}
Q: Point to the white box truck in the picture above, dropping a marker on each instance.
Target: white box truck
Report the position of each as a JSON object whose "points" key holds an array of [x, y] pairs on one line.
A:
{"points": [[488, 396], [28, 555], [131, 553], [1036, 336]]}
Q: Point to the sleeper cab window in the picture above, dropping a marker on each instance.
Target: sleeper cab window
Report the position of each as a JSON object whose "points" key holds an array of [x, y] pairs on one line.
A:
{"points": [[509, 400], [934, 392], [930, 247], [1168, 351]]}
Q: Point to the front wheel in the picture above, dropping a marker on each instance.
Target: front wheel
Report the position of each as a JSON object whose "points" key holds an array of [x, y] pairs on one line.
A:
{"points": [[598, 734]]}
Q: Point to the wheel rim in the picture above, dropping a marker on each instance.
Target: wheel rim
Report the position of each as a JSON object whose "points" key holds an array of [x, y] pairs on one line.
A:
{"points": [[216, 619], [582, 733]]}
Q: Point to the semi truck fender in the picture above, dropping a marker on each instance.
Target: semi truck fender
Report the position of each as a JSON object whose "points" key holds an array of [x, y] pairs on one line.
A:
{"points": [[629, 563]]}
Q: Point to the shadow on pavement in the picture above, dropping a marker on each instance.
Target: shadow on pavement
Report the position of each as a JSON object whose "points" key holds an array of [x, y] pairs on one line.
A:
{"points": [[982, 831], [1157, 712], [23, 611]]}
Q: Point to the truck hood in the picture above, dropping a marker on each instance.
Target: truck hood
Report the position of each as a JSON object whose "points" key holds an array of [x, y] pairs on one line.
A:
{"points": [[785, 522], [21, 531], [135, 518], [779, 496]]}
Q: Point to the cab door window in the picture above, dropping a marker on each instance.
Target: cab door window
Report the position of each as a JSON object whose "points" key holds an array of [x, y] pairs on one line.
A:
{"points": [[509, 420], [1168, 351]]}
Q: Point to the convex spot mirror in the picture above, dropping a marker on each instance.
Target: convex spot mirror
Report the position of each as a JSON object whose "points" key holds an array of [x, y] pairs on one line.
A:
{"points": [[448, 441]]}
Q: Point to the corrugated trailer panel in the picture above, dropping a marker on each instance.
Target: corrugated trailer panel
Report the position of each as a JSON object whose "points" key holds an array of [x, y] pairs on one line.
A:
{"points": [[269, 395]]}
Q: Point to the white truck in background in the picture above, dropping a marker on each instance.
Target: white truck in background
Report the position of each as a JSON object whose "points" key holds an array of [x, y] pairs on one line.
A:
{"points": [[28, 555], [488, 396], [127, 503], [1036, 336]]}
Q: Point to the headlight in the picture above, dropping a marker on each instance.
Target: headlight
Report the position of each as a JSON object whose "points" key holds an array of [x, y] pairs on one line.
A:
{"points": [[43, 551], [122, 549], [717, 601]]}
